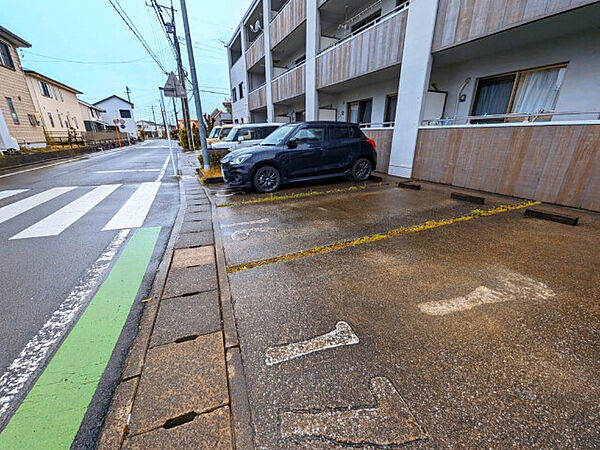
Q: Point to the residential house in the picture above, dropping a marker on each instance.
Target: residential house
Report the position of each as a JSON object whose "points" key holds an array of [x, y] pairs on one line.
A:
{"points": [[119, 111], [19, 124], [494, 95], [221, 117], [57, 105], [92, 117], [150, 129]]}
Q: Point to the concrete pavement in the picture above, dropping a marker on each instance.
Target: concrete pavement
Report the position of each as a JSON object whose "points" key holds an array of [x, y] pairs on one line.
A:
{"points": [[63, 231]]}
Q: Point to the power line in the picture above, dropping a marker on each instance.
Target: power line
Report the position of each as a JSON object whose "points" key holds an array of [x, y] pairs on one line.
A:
{"points": [[83, 62], [135, 32]]}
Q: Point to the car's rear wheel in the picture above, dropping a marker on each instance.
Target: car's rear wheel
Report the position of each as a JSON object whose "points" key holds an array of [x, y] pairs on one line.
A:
{"points": [[266, 179], [361, 169]]}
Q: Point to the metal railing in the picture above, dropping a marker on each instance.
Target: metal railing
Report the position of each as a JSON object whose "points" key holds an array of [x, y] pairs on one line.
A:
{"points": [[516, 118]]}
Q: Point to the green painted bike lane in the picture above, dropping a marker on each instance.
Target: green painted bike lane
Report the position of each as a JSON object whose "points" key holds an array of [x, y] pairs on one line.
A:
{"points": [[52, 412]]}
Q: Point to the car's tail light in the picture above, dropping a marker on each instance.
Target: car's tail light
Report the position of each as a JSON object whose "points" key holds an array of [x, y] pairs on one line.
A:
{"points": [[372, 142]]}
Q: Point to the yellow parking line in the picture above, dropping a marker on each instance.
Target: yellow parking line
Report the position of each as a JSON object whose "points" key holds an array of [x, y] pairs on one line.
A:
{"points": [[274, 198], [380, 236]]}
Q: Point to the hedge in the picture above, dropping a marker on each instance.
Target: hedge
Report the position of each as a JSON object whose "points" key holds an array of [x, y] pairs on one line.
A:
{"points": [[214, 157]]}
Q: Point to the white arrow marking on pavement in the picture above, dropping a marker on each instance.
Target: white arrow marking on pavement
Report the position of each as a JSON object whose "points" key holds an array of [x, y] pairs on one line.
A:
{"points": [[342, 335], [133, 213], [388, 422], [513, 286], [16, 377], [10, 193], [62, 219], [14, 209], [239, 224]]}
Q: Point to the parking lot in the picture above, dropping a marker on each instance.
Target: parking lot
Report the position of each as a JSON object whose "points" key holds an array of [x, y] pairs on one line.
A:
{"points": [[370, 315]]}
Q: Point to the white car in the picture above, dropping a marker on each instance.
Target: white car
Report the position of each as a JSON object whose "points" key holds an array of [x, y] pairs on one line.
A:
{"points": [[245, 135]]}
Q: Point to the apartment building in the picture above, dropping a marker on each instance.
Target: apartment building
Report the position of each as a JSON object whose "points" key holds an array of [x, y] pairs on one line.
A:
{"points": [[495, 95], [56, 104], [19, 123]]}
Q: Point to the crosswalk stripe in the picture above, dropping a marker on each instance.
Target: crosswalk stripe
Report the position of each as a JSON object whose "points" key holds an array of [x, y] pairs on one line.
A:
{"points": [[60, 220], [9, 193], [14, 209], [133, 213]]}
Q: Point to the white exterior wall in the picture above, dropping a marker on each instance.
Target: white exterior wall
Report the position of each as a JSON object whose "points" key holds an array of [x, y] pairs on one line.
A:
{"points": [[112, 107], [237, 75], [580, 90]]}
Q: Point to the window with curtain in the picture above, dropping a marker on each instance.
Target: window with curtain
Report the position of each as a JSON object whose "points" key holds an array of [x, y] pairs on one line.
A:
{"points": [[527, 92], [360, 111]]}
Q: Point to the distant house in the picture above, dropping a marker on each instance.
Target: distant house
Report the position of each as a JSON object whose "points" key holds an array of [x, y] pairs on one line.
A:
{"points": [[119, 111], [151, 129], [56, 103], [221, 117], [92, 117], [19, 123]]}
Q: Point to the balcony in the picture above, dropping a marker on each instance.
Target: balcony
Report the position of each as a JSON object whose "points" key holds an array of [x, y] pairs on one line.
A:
{"points": [[553, 161], [291, 16], [459, 21], [255, 52], [376, 47], [257, 98], [289, 84]]}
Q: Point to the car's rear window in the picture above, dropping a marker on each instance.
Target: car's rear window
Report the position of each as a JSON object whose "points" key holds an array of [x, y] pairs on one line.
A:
{"points": [[357, 133], [336, 132]]}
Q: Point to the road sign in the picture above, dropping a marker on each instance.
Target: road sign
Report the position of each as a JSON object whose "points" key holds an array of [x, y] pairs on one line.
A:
{"points": [[116, 121], [173, 87]]}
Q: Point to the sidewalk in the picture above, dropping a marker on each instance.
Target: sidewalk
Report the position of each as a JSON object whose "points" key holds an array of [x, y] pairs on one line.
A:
{"points": [[182, 384]]}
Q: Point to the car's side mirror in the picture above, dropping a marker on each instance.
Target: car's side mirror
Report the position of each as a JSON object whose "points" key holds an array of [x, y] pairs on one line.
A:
{"points": [[241, 139], [292, 143]]}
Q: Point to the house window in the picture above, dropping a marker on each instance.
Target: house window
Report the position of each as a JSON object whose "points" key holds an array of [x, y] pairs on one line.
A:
{"points": [[31, 119], [241, 89], [234, 95], [360, 111], [125, 113], [13, 112], [60, 120], [5, 58], [76, 123], [527, 92], [45, 89], [51, 119], [390, 110]]}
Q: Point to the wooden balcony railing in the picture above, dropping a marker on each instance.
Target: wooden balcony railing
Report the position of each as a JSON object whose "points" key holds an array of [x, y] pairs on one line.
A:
{"points": [[257, 98], [287, 20], [255, 52], [459, 21], [289, 84], [550, 162], [375, 48]]}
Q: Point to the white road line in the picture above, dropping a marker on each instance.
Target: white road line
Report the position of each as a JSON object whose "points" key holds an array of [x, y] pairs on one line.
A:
{"points": [[127, 170], [41, 167], [133, 213], [512, 286], [14, 209], [10, 193], [251, 222], [59, 221], [32, 357], [342, 335], [163, 169]]}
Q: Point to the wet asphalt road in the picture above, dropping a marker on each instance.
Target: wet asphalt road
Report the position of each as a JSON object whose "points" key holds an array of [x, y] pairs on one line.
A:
{"points": [[38, 273], [489, 330]]}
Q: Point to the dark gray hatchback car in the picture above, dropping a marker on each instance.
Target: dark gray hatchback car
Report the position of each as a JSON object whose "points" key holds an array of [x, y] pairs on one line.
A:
{"points": [[299, 152]]}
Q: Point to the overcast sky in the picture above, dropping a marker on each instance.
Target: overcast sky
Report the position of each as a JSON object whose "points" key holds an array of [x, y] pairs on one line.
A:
{"points": [[107, 55]]}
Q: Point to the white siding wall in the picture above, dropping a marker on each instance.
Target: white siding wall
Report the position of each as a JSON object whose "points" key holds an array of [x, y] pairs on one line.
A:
{"points": [[112, 107]]}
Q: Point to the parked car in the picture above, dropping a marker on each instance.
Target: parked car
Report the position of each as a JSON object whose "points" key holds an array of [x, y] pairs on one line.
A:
{"points": [[301, 151], [219, 133], [244, 136]]}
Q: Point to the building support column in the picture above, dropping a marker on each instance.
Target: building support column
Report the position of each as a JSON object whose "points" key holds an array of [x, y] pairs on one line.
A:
{"points": [[268, 60], [415, 72], [244, 39], [312, 48]]}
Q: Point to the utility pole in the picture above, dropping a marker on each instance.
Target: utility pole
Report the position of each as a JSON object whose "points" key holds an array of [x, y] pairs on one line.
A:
{"points": [[190, 48], [164, 113], [185, 107], [155, 124], [128, 91]]}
